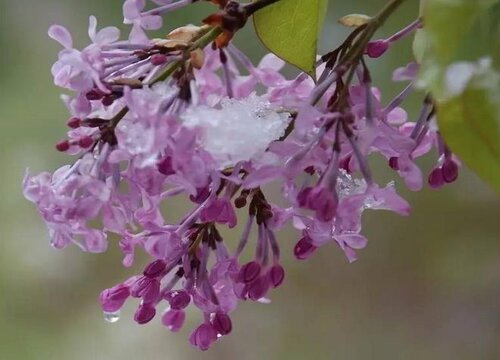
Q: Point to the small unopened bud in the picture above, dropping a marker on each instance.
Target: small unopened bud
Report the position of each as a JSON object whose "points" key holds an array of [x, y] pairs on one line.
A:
{"points": [[304, 248], [450, 170], [179, 300], [154, 268], [435, 178], [258, 288], [145, 313], [377, 48], [158, 59], [222, 323], [74, 123], [249, 272], [85, 142], [113, 299], [240, 202], [63, 145], [276, 275], [173, 319]]}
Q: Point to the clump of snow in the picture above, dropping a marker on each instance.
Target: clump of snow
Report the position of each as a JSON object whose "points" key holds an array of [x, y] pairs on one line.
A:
{"points": [[239, 129]]}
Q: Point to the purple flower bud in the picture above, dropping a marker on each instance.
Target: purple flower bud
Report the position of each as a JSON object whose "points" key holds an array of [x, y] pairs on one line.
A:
{"points": [[179, 300], [85, 142], [145, 313], [155, 268], [304, 248], [203, 336], [222, 323], [63, 145], [276, 275], [74, 123], [146, 288], [377, 48], [113, 299], [450, 170], [435, 178], [158, 59], [258, 288], [173, 319], [249, 272]]}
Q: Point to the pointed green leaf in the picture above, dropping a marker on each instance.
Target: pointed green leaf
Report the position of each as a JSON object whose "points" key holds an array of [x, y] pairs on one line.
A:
{"points": [[290, 29]]}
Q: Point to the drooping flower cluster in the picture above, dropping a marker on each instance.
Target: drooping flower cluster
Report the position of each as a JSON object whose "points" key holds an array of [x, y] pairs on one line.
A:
{"points": [[153, 120]]}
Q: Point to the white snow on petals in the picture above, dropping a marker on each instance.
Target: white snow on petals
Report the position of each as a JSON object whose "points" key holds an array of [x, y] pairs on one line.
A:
{"points": [[238, 130]]}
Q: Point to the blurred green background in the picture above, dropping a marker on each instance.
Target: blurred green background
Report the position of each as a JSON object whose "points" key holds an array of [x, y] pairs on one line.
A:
{"points": [[426, 287]]}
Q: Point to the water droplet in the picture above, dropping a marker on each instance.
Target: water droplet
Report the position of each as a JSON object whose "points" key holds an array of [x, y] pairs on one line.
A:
{"points": [[112, 317]]}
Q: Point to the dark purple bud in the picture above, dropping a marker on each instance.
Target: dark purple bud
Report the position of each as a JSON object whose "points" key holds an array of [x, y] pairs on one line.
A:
{"points": [[377, 48], [158, 59], [74, 123], [203, 336], [145, 313], [276, 275], [249, 272], [450, 170], [173, 319], [393, 163], [258, 288], [85, 142], [304, 248], [222, 323], [179, 300], [113, 299], [63, 145], [435, 178], [155, 268], [240, 202]]}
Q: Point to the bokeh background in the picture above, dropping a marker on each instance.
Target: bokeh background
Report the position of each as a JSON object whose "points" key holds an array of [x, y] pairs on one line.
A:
{"points": [[426, 287]]}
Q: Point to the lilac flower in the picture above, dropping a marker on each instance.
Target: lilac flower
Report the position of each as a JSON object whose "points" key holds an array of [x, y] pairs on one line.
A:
{"points": [[152, 121]]}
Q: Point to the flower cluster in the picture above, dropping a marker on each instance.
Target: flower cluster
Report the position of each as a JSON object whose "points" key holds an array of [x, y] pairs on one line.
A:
{"points": [[153, 120]]}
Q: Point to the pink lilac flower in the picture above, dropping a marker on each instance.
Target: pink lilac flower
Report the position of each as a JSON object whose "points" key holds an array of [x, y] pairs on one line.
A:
{"points": [[215, 133]]}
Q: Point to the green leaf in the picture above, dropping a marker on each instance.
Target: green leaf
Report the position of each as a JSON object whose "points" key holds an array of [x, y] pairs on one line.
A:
{"points": [[470, 123], [290, 29]]}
